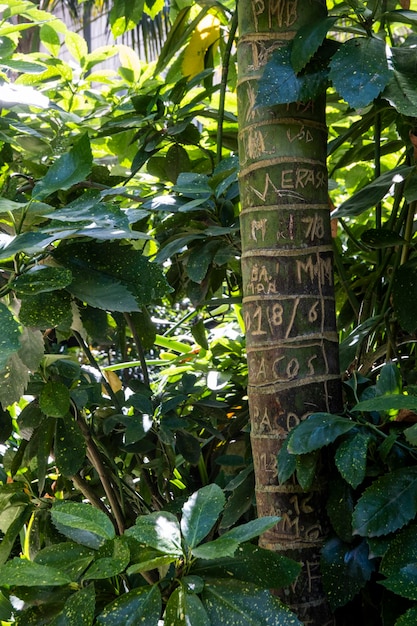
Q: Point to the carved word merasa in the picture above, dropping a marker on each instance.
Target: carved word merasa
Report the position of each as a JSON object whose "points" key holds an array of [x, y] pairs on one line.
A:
{"points": [[291, 180], [280, 12]]}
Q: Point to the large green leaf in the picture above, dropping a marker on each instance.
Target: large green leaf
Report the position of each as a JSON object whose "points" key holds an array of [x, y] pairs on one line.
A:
{"points": [[21, 572], [71, 558], [70, 169], [111, 275], [70, 446], [223, 546], [250, 563], [140, 606], [345, 569], [6, 608], [372, 193], [42, 278], [350, 458], [244, 604], [308, 40], [82, 523], [112, 559], [47, 310], [10, 335], [252, 529], [401, 552], [15, 528], [200, 513], [388, 504], [340, 505], [385, 403], [125, 15], [317, 431], [404, 582], [159, 530], [359, 70], [185, 609], [78, 610], [286, 463], [14, 379]]}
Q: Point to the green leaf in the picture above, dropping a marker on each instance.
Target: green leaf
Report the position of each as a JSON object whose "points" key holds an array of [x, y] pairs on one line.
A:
{"points": [[404, 582], [78, 610], [317, 431], [82, 523], [250, 530], [306, 467], [185, 609], [308, 40], [389, 379], [159, 530], [14, 379], [188, 446], [345, 570], [46, 310], [21, 572], [372, 193], [408, 619], [223, 546], [250, 563], [71, 168], [286, 463], [411, 434], [386, 403], [14, 529], [50, 39], [71, 558], [42, 278], [200, 259], [77, 46], [54, 399], [111, 275], [125, 15], [6, 608], [340, 505], [140, 606], [42, 441], [201, 512], [404, 291], [380, 238], [112, 559], [388, 504], [350, 458], [370, 74], [70, 446], [10, 335], [402, 551], [176, 161], [244, 604], [31, 349]]}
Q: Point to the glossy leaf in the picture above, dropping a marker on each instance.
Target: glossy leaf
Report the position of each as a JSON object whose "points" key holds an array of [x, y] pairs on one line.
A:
{"points": [[6, 608], [250, 530], [385, 403], [185, 609], [231, 602], [46, 310], [317, 431], [402, 551], [112, 559], [379, 238], [359, 70], [389, 380], [200, 513], [345, 570], [223, 546], [306, 466], [125, 15], [42, 278], [340, 505], [404, 582], [388, 504], [71, 558], [70, 169], [21, 572], [286, 463], [141, 605], [82, 523], [351, 457], [159, 530], [14, 379], [78, 610], [408, 619], [250, 563]]}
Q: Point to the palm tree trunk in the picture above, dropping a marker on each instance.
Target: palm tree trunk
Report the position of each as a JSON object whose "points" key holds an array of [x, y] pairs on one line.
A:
{"points": [[288, 289]]}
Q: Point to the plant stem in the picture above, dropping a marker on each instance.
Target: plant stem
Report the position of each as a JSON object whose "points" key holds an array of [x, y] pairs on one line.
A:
{"points": [[223, 86], [139, 348]]}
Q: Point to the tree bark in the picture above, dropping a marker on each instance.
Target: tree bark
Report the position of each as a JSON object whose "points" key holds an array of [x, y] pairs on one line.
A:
{"points": [[288, 289]]}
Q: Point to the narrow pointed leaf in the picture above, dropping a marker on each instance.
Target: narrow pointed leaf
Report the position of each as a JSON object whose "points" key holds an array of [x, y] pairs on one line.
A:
{"points": [[200, 513]]}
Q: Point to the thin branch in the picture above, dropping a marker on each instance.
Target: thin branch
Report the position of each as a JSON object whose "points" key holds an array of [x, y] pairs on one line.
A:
{"points": [[139, 348]]}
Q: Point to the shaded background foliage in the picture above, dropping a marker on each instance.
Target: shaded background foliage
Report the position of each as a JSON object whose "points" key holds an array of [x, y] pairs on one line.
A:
{"points": [[122, 366]]}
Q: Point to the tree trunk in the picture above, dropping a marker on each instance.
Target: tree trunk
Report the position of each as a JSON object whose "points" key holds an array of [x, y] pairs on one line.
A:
{"points": [[288, 289]]}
